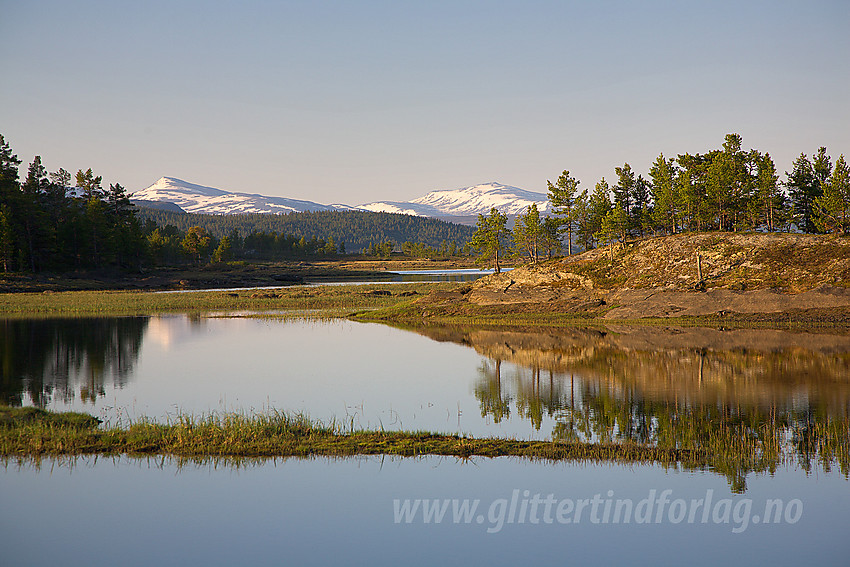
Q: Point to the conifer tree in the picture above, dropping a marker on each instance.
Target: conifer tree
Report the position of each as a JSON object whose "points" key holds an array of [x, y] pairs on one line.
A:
{"points": [[770, 200], [624, 189], [196, 243], [7, 242], [490, 235], [33, 218], [224, 251], [832, 209], [641, 207], [528, 232], [599, 206], [550, 240], [10, 199], [562, 196], [663, 174], [90, 185], [803, 190]]}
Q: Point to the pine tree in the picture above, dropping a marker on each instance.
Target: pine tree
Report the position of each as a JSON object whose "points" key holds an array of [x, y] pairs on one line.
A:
{"points": [[832, 209], [803, 191], [196, 243], [490, 235], [562, 197], [7, 241], [584, 233], [822, 170], [688, 189], [624, 189], [125, 238], [98, 227], [33, 218], [62, 178], [10, 196], [224, 251], [641, 209], [599, 206], [550, 240], [664, 213], [90, 185], [719, 186], [607, 232], [528, 232], [770, 200]]}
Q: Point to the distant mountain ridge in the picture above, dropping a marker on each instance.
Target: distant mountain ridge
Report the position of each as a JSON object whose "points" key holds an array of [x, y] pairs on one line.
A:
{"points": [[200, 199], [454, 205]]}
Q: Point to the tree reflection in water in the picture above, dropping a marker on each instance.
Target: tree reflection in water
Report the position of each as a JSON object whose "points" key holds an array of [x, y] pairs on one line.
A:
{"points": [[66, 358], [747, 409]]}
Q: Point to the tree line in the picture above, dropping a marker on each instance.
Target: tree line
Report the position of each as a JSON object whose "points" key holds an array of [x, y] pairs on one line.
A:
{"points": [[727, 189], [169, 245], [357, 229], [44, 226], [59, 221], [172, 236]]}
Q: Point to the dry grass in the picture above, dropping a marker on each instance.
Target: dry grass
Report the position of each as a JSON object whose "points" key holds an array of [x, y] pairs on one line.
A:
{"points": [[122, 303]]}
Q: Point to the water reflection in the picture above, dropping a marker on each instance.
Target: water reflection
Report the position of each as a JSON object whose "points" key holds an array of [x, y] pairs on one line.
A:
{"points": [[44, 359], [785, 395], [751, 399]]}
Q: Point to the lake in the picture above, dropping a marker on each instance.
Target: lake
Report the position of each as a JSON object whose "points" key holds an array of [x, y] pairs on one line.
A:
{"points": [[778, 400]]}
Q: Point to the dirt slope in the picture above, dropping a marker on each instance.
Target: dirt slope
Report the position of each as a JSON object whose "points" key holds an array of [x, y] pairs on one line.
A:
{"points": [[660, 277]]}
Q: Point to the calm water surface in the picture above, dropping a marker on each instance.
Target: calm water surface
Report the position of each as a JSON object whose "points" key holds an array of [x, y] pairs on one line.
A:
{"points": [[458, 381], [779, 400], [342, 512]]}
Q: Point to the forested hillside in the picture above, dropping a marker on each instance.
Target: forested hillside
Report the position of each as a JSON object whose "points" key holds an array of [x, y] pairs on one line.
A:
{"points": [[55, 221], [355, 229]]}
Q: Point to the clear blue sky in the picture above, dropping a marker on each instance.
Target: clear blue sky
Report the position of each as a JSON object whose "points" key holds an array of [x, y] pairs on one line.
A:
{"points": [[361, 101]]}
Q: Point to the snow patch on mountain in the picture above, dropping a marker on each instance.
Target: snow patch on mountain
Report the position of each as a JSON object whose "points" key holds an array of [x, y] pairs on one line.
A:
{"points": [[194, 198], [402, 207], [456, 205], [466, 202], [479, 199]]}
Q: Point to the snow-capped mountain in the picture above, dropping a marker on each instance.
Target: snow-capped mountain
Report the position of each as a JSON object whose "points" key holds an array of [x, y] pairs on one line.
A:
{"points": [[455, 205], [466, 202], [402, 207], [209, 200], [478, 199]]}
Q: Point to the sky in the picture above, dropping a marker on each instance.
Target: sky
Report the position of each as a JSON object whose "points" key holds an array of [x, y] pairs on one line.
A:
{"points": [[359, 101]]}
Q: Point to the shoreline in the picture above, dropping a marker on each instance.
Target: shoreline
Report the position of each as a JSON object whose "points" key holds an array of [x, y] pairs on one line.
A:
{"points": [[223, 275]]}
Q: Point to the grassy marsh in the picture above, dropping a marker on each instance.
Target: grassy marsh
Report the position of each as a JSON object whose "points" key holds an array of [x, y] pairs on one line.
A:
{"points": [[122, 303], [30, 432], [733, 449]]}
